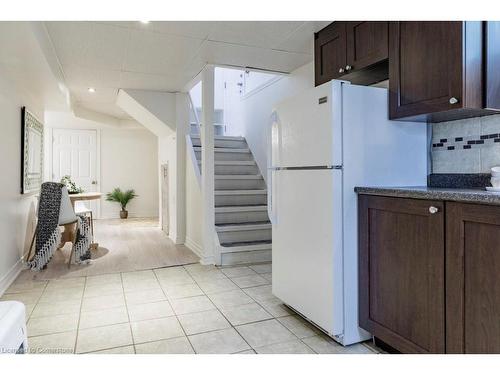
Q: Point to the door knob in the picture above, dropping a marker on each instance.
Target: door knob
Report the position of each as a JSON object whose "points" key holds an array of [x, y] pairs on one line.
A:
{"points": [[348, 67], [453, 100], [341, 70], [433, 209], [94, 182]]}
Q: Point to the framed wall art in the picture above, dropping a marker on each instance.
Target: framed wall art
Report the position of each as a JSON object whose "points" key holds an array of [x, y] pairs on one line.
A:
{"points": [[31, 152]]}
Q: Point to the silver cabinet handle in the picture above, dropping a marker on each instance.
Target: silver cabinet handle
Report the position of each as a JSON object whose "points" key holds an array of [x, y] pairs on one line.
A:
{"points": [[433, 209], [453, 100], [341, 70], [348, 67]]}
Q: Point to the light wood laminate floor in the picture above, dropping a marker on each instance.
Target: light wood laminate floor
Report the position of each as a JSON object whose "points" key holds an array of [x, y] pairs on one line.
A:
{"points": [[124, 245]]}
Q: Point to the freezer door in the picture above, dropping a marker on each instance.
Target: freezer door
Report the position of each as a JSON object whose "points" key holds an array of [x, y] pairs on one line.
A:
{"points": [[304, 129], [307, 245]]}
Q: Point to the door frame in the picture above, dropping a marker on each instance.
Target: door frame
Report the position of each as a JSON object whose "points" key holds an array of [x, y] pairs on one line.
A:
{"points": [[164, 167], [49, 158]]}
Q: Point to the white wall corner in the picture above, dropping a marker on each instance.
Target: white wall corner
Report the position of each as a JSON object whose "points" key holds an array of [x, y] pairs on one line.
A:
{"points": [[207, 162], [182, 121]]}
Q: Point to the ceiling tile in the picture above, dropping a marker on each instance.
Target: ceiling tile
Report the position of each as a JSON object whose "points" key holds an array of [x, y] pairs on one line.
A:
{"points": [[254, 33], [192, 29], [157, 53], [89, 44], [233, 54], [107, 46], [70, 40], [302, 40], [143, 81], [90, 77], [165, 56]]}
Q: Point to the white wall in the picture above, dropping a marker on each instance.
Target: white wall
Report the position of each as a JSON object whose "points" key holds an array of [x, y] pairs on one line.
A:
{"points": [[129, 160], [26, 79], [17, 212], [194, 214], [257, 109]]}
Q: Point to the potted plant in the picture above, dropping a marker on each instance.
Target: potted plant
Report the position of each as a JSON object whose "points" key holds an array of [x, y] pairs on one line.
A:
{"points": [[122, 197], [72, 188]]}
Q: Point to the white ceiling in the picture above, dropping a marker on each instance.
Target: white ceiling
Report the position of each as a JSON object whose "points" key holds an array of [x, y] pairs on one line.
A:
{"points": [[166, 55]]}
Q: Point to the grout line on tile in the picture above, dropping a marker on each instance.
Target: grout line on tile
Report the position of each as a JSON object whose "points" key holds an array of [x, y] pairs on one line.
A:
{"points": [[175, 313], [79, 315], [128, 314]]}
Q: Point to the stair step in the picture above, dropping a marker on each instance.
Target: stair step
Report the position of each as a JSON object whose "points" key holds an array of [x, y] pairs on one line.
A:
{"points": [[246, 245], [238, 177], [222, 137], [232, 227], [226, 150], [240, 209], [241, 192], [238, 214]]}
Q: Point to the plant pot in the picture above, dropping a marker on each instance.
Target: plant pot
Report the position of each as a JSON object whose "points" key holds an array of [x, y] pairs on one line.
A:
{"points": [[123, 214]]}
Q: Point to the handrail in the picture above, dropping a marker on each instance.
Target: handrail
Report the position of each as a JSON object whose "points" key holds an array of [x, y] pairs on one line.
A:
{"points": [[194, 161], [193, 108]]}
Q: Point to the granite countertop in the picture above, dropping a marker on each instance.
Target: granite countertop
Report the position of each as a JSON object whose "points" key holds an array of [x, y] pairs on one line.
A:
{"points": [[481, 196]]}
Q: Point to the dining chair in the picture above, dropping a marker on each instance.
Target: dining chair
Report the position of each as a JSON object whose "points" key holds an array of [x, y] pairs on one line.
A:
{"points": [[81, 209], [67, 216]]}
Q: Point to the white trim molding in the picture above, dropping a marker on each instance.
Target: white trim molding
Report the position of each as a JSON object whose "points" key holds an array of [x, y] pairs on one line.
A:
{"points": [[10, 276], [198, 250]]}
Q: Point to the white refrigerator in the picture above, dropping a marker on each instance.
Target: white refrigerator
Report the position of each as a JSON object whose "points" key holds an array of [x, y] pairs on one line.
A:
{"points": [[323, 143]]}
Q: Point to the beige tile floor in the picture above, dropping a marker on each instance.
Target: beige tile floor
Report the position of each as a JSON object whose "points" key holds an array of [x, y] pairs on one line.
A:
{"points": [[182, 309]]}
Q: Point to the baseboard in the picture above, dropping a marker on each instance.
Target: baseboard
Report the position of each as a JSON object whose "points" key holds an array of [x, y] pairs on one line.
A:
{"points": [[198, 250], [194, 246], [11, 275]]}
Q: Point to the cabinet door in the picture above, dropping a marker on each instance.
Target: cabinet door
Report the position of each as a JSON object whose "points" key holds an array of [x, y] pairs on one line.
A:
{"points": [[401, 272], [472, 278], [425, 67], [329, 52], [367, 43]]}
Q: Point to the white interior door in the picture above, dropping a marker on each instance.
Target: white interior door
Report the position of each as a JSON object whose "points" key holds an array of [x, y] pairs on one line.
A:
{"points": [[74, 153]]}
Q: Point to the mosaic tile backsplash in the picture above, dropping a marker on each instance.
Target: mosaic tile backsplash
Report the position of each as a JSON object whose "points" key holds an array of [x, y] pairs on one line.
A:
{"points": [[466, 146]]}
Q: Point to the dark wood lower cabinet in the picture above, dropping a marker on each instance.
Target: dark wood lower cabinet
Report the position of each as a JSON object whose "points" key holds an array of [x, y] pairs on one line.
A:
{"points": [[401, 247], [473, 278], [430, 282]]}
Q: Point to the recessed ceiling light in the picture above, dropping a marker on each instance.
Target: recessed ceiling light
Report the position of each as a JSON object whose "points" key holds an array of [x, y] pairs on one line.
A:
{"points": [[144, 22], [91, 90]]}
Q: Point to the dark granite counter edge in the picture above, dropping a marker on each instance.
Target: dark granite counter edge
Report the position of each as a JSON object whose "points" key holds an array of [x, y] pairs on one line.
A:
{"points": [[454, 195]]}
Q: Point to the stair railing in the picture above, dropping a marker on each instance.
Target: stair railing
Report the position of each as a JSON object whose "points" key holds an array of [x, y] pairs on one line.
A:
{"points": [[195, 113]]}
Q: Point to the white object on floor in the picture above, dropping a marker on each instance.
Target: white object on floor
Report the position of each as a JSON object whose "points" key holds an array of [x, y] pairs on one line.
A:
{"points": [[13, 335], [493, 189], [324, 142]]}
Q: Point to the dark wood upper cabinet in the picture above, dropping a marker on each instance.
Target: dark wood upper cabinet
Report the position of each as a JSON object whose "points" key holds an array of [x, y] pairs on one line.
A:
{"points": [[438, 70], [472, 278], [330, 52], [367, 43], [354, 51], [401, 272]]}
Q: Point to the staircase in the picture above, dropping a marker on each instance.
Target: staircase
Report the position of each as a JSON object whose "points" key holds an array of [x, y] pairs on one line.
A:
{"points": [[241, 221]]}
